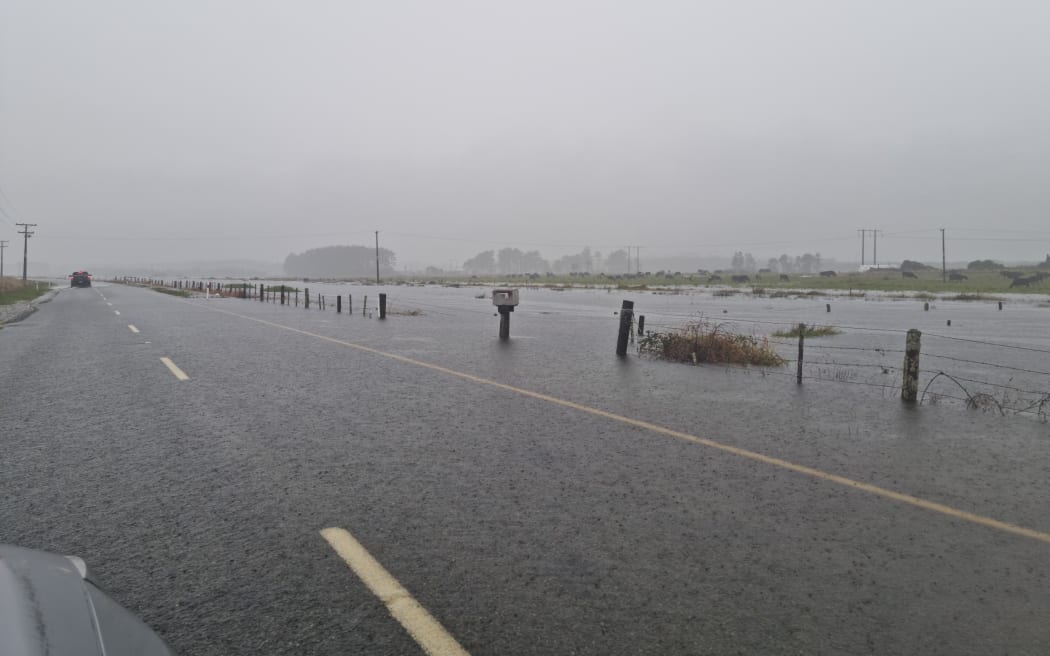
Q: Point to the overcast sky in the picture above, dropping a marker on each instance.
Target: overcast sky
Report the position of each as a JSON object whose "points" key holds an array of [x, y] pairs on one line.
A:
{"points": [[137, 131]]}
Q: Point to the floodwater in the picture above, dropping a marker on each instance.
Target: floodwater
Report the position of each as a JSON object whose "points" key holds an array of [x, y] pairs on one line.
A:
{"points": [[996, 358]]}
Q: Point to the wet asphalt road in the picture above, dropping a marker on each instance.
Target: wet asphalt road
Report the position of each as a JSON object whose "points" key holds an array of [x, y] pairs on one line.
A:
{"points": [[524, 527]]}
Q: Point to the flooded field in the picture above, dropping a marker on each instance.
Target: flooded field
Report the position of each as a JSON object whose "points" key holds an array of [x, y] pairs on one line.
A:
{"points": [[973, 353]]}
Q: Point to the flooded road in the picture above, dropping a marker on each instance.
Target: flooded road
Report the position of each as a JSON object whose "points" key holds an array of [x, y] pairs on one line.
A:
{"points": [[536, 496]]}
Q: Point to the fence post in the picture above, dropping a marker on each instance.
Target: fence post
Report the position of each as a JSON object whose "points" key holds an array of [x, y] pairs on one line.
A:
{"points": [[262, 293], [306, 295], [910, 386], [801, 348], [641, 324], [364, 308], [296, 297], [349, 304], [282, 294], [626, 319], [382, 306], [338, 304]]}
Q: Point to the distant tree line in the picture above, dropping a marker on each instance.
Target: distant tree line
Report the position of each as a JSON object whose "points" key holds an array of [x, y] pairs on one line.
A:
{"points": [[805, 263], [340, 262], [513, 260]]}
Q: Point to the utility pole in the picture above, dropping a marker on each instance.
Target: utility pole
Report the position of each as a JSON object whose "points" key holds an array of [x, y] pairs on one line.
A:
{"points": [[944, 259], [875, 246], [3, 245], [26, 234], [377, 257]]}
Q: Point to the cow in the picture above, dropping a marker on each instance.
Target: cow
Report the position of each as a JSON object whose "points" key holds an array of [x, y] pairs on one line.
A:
{"points": [[828, 274], [784, 277], [908, 274], [741, 278], [955, 276], [1026, 281]]}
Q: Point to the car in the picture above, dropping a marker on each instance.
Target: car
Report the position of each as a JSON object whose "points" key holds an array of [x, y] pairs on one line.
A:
{"points": [[80, 279], [51, 604]]}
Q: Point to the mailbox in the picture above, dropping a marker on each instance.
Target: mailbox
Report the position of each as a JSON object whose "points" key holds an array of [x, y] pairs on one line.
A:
{"points": [[505, 297]]}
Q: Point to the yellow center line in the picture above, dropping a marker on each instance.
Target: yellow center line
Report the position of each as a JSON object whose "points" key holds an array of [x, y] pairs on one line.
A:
{"points": [[420, 624], [179, 373], [686, 437]]}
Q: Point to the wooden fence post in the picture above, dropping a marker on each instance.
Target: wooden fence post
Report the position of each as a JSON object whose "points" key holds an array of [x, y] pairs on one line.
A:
{"points": [[641, 324], [307, 297], [910, 386], [382, 306], [626, 319], [801, 348], [349, 304], [338, 304]]}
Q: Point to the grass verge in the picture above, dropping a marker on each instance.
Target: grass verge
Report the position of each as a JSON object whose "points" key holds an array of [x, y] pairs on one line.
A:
{"points": [[13, 290], [181, 293], [705, 342]]}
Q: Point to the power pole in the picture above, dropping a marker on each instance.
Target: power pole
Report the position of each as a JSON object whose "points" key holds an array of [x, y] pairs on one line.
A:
{"points": [[3, 245], [26, 234], [944, 259], [863, 251], [377, 257]]}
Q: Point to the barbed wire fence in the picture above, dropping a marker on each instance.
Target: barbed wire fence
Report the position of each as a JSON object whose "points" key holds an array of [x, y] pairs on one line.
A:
{"points": [[1005, 379]]}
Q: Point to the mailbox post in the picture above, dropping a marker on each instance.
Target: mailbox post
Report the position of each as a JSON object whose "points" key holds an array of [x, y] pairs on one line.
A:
{"points": [[505, 300]]}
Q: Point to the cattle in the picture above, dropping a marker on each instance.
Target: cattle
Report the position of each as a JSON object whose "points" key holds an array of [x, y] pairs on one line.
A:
{"points": [[784, 277], [741, 278], [1026, 281], [715, 279], [956, 276], [828, 274], [908, 274]]}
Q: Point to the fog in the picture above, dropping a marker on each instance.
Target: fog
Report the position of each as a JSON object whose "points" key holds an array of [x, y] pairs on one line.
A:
{"points": [[146, 133]]}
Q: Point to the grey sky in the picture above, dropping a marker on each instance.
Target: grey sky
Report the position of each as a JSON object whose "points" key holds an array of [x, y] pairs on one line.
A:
{"points": [[144, 131]]}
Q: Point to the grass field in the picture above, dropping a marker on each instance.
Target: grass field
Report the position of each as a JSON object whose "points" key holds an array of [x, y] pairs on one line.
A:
{"points": [[13, 290]]}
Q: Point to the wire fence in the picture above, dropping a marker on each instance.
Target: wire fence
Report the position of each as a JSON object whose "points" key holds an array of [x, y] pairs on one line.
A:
{"points": [[984, 375], [979, 374]]}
